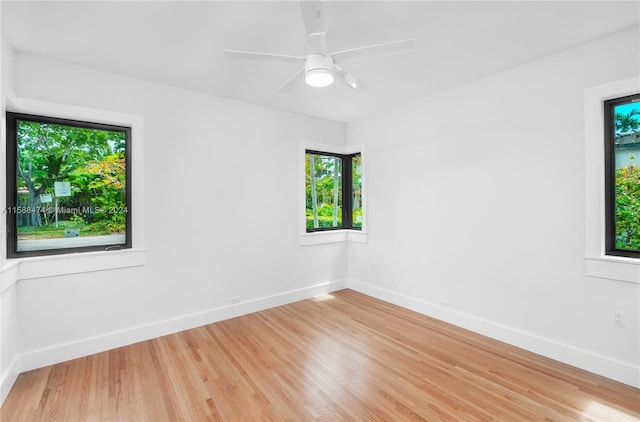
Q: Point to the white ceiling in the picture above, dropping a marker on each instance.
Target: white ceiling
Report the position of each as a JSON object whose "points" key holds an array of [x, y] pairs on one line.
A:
{"points": [[180, 43]]}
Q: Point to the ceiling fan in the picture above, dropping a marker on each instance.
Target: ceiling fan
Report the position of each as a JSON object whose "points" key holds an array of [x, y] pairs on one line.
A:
{"points": [[320, 68]]}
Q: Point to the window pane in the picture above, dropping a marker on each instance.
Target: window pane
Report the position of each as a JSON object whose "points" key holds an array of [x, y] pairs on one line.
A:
{"points": [[71, 186], [323, 191], [356, 179], [627, 176]]}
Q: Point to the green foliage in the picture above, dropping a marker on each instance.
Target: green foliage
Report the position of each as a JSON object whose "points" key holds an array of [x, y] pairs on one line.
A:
{"points": [[106, 180], [326, 178], [50, 231], [92, 160], [356, 177], [628, 207], [323, 221], [325, 217], [325, 169], [49, 152], [627, 189], [627, 122], [77, 220], [357, 217]]}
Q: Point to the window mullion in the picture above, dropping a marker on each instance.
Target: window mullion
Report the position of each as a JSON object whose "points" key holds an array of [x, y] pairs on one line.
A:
{"points": [[347, 192]]}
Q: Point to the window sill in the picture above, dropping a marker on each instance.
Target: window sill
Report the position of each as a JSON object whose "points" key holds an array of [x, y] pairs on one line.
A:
{"points": [[15, 270], [614, 268], [333, 236]]}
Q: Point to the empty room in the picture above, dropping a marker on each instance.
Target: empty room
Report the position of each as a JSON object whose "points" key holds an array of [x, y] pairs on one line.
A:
{"points": [[320, 210]]}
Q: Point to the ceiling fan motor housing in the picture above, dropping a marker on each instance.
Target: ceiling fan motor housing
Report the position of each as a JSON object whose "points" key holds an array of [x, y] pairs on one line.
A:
{"points": [[318, 70]]}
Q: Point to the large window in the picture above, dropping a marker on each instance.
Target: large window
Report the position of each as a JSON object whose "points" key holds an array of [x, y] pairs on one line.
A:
{"points": [[68, 186], [622, 172], [333, 191]]}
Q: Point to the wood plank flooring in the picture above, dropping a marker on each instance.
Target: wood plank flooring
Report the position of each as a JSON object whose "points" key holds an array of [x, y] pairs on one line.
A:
{"points": [[343, 357]]}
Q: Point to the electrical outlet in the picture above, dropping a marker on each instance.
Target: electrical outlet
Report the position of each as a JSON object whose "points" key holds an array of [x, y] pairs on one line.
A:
{"points": [[618, 318], [235, 299]]}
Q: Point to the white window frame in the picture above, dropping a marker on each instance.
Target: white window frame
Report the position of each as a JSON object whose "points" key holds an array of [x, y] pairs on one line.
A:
{"points": [[597, 263], [330, 236]]}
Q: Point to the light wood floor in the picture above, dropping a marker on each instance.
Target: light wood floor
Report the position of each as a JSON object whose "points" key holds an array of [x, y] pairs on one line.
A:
{"points": [[344, 356]]}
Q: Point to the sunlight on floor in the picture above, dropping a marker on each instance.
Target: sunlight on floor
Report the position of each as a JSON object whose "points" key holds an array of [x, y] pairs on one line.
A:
{"points": [[601, 412], [324, 296]]}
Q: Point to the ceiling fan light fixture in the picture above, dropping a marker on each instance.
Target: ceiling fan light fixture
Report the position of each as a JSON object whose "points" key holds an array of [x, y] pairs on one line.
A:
{"points": [[319, 78], [318, 70]]}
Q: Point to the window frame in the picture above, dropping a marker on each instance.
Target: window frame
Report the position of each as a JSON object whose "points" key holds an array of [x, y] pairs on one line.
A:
{"points": [[11, 118], [347, 190], [597, 263], [610, 177]]}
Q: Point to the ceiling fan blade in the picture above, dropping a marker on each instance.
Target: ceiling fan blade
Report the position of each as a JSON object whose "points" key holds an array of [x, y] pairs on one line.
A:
{"points": [[236, 54], [385, 48], [287, 86], [315, 26], [313, 16], [349, 79]]}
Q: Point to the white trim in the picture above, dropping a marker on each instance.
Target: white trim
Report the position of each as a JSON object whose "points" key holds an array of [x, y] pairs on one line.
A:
{"points": [[356, 236], [7, 101], [334, 236], [8, 378], [8, 276], [13, 270], [319, 238], [63, 352], [601, 365], [597, 263], [619, 269], [9, 94], [327, 147], [54, 265], [607, 367]]}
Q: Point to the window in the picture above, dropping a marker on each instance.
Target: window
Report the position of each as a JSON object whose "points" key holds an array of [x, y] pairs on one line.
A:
{"points": [[333, 191], [67, 186], [622, 176]]}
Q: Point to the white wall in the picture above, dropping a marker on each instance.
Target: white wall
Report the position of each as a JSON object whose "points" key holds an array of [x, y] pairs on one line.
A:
{"points": [[496, 233], [221, 217], [8, 298], [476, 210]]}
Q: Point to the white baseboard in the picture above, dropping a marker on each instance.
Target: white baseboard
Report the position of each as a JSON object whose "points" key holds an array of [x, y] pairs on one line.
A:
{"points": [[51, 355], [601, 365], [7, 378]]}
